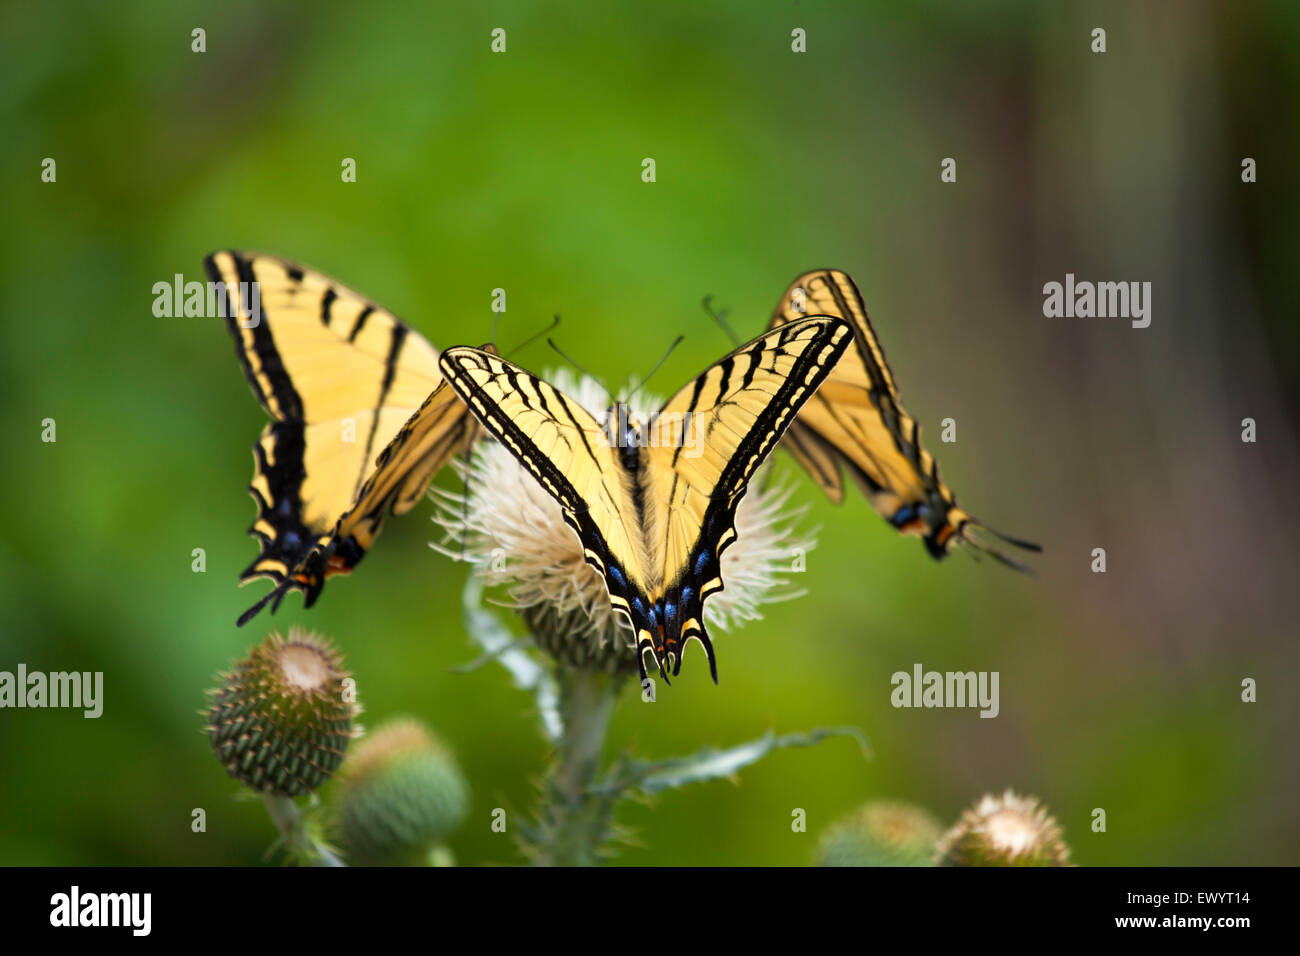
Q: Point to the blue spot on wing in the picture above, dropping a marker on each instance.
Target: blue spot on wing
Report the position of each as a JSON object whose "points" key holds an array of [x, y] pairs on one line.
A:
{"points": [[701, 562]]}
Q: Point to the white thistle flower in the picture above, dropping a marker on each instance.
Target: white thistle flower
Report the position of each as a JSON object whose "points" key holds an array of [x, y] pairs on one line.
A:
{"points": [[514, 534], [1006, 830]]}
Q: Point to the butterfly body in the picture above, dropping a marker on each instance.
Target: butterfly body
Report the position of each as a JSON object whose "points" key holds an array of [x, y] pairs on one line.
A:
{"points": [[653, 504]]}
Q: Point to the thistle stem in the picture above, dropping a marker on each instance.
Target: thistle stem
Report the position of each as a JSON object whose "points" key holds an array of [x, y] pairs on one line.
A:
{"points": [[576, 821], [297, 839]]}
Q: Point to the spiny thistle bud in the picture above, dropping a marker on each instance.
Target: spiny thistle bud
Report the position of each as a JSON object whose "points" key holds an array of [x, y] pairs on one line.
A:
{"points": [[1009, 830], [402, 794], [571, 639], [882, 833], [280, 721]]}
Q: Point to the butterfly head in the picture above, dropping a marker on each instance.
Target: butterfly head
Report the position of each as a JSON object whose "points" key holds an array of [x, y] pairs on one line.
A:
{"points": [[623, 426], [625, 432]]}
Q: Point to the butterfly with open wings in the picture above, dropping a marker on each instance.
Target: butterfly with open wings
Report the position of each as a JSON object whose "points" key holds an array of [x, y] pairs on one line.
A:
{"points": [[654, 503]]}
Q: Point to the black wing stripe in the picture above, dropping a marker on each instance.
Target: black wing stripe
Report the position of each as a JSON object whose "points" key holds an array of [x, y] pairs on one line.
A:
{"points": [[396, 341], [564, 403], [326, 304], [725, 381], [770, 425], [755, 359], [282, 400], [229, 299], [360, 323], [866, 333], [695, 395]]}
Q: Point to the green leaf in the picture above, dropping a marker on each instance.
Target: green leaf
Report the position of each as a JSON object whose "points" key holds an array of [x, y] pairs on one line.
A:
{"points": [[711, 764]]}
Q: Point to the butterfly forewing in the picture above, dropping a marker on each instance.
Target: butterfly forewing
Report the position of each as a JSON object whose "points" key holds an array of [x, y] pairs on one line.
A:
{"points": [[565, 449], [708, 441]]}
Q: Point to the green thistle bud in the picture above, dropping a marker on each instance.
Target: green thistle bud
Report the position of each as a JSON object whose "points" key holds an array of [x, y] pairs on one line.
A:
{"points": [[1009, 830], [881, 833], [279, 723], [402, 794], [574, 639]]}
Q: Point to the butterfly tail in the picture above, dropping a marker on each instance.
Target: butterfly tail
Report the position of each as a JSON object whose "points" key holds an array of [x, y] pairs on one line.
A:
{"points": [[682, 614], [644, 646], [702, 636]]}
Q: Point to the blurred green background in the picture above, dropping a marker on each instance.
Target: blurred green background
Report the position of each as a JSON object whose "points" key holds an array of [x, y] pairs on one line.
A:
{"points": [[522, 171]]}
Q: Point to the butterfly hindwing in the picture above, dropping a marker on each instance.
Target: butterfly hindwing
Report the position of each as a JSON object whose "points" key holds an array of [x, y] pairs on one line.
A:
{"points": [[342, 378], [654, 520], [817, 457], [857, 423]]}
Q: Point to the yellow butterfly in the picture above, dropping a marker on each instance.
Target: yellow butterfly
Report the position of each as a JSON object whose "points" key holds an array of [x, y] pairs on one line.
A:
{"points": [[855, 423], [654, 503], [362, 419]]}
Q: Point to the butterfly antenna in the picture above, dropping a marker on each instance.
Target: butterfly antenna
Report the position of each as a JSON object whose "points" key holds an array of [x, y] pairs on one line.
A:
{"points": [[533, 338], [1009, 561], [975, 548], [720, 317], [581, 370], [1018, 542], [658, 365]]}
